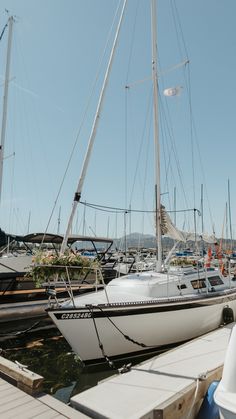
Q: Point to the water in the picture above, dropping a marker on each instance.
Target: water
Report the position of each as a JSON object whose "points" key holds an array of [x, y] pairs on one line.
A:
{"points": [[47, 353]]}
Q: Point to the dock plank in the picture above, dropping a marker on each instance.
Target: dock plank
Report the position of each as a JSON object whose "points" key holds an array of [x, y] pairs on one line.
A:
{"points": [[61, 407], [15, 403], [3, 384], [14, 400], [48, 415], [26, 410], [32, 410], [7, 391]]}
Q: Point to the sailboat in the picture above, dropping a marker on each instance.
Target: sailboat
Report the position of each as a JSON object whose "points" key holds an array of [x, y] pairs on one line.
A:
{"points": [[147, 311]]}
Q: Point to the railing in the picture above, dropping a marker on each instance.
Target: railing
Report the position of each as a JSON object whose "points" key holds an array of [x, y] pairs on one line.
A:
{"points": [[60, 274]]}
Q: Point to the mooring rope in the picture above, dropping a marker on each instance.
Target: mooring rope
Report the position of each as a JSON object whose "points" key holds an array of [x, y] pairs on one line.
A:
{"points": [[143, 345], [110, 363], [21, 332]]}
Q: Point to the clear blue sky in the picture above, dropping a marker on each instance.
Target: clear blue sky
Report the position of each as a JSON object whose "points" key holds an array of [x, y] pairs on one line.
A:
{"points": [[57, 46]]}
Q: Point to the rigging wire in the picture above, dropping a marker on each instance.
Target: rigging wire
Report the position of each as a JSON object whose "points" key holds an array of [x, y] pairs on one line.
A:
{"points": [[21, 332], [23, 117], [83, 117], [184, 53], [122, 210], [167, 127], [14, 214], [173, 147], [177, 22], [126, 112], [137, 177], [167, 130], [11, 192], [128, 86], [146, 166], [3, 31], [147, 118]]}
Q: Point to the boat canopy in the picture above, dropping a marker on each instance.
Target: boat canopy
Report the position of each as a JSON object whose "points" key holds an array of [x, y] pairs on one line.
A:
{"points": [[58, 238], [52, 238]]}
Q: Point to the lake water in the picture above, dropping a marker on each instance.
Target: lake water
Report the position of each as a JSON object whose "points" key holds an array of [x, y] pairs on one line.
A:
{"points": [[47, 353]]}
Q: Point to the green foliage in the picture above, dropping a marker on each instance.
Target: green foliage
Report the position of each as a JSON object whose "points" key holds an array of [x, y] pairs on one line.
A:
{"points": [[48, 266], [180, 262]]}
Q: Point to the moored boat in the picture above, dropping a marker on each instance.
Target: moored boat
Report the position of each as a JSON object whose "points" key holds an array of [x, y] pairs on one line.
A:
{"points": [[146, 311]]}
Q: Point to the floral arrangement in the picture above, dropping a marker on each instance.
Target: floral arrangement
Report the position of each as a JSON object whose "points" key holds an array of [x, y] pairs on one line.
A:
{"points": [[48, 265], [180, 262]]}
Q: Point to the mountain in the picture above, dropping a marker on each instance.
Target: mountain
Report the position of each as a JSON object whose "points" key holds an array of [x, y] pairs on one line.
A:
{"points": [[148, 241], [139, 240]]}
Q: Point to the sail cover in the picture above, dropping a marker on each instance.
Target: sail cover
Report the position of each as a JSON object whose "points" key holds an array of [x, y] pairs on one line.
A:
{"points": [[170, 230], [211, 239]]}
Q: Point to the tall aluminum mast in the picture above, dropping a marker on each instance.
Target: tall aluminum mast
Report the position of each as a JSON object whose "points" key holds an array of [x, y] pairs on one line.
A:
{"points": [[156, 138], [5, 99], [93, 134]]}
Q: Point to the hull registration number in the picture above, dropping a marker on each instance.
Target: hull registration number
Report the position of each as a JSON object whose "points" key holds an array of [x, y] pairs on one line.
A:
{"points": [[69, 316]]}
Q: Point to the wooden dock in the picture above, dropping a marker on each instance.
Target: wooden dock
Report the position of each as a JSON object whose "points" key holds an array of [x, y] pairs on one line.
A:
{"points": [[21, 396], [169, 386]]}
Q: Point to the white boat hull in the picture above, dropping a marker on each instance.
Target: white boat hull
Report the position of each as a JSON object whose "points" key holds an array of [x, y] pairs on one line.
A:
{"points": [[225, 394], [147, 326], [226, 414]]}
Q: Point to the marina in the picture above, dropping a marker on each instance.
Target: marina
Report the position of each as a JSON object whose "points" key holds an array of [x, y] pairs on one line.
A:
{"points": [[181, 302], [117, 261]]}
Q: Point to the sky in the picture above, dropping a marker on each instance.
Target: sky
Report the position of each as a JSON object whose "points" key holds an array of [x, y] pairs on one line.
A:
{"points": [[57, 54]]}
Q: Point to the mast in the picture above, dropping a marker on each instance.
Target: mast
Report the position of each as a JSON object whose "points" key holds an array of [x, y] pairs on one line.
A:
{"points": [[28, 225], [5, 99], [175, 205], [202, 217], [230, 221], [93, 134], [202, 208], [59, 221], [84, 220], [156, 138], [108, 226]]}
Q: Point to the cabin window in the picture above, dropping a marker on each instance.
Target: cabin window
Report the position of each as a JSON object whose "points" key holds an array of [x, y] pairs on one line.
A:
{"points": [[182, 286], [198, 284], [215, 280]]}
